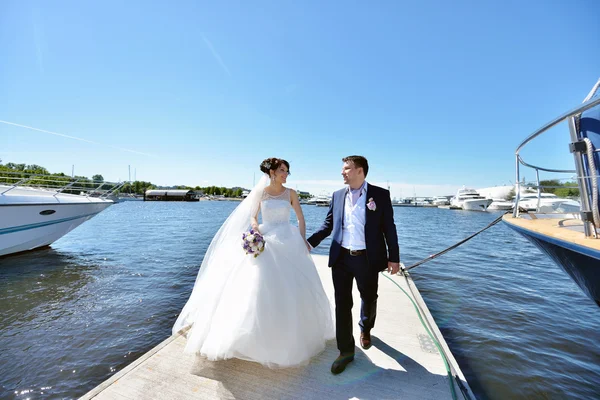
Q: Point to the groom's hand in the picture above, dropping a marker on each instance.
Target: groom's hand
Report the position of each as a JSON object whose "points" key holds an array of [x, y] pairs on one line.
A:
{"points": [[393, 267]]}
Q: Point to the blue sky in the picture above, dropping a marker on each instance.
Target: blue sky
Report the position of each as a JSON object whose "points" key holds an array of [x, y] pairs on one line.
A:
{"points": [[436, 94]]}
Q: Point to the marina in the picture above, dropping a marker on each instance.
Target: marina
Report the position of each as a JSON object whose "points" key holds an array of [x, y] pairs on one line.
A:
{"points": [[84, 309], [132, 132]]}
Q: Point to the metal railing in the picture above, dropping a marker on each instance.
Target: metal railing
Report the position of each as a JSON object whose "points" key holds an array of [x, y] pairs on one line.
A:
{"points": [[10, 180], [582, 179]]}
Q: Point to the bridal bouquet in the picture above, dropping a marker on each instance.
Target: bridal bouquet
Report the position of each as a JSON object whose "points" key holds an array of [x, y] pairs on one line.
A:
{"points": [[253, 242]]}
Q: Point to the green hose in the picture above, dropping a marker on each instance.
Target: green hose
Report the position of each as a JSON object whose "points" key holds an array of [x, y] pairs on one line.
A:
{"points": [[437, 344]]}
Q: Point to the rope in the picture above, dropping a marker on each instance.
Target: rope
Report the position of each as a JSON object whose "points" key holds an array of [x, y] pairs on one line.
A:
{"points": [[431, 257]]}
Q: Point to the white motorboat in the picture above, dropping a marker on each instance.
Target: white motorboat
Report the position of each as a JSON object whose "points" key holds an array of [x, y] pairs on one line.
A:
{"points": [[548, 203], [322, 200], [36, 211], [501, 205], [469, 199]]}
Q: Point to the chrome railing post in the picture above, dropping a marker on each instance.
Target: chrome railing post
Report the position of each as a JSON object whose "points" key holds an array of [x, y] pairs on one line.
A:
{"points": [[582, 181], [67, 186], [539, 190], [54, 183], [517, 188], [14, 185]]}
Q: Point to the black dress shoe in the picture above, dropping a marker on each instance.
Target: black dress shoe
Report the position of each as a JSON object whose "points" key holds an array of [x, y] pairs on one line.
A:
{"points": [[339, 365], [365, 340]]}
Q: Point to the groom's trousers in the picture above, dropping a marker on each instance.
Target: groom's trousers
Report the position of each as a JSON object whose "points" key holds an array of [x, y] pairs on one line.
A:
{"points": [[345, 270]]}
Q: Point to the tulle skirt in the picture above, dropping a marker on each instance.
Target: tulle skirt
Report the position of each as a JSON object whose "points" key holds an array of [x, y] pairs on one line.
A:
{"points": [[271, 309]]}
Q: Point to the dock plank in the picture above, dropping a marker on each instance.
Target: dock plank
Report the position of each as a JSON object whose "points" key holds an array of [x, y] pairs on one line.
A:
{"points": [[398, 365]]}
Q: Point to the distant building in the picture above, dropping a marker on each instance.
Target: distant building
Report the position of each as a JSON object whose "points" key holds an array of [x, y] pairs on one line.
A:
{"points": [[170, 195]]}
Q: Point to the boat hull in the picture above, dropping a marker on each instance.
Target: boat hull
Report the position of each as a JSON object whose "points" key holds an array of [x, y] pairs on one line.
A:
{"points": [[581, 263], [495, 206], [26, 227], [476, 205]]}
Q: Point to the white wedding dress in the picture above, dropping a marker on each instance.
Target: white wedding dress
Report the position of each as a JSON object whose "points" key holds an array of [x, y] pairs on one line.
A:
{"points": [[271, 309]]}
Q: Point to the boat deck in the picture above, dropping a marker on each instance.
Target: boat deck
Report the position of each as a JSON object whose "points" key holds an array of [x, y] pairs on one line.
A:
{"points": [[558, 226], [403, 363]]}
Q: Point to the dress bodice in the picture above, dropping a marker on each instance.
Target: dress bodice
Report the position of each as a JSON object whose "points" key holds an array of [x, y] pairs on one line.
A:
{"points": [[276, 209]]}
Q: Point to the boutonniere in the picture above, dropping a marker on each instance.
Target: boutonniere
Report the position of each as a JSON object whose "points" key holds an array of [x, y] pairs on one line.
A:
{"points": [[371, 205]]}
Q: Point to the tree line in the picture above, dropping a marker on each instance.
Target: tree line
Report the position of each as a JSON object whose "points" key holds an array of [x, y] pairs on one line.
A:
{"points": [[15, 173], [565, 190], [568, 189], [22, 171]]}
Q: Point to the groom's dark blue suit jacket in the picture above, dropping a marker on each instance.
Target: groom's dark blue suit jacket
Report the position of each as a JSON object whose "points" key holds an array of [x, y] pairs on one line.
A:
{"points": [[380, 228]]}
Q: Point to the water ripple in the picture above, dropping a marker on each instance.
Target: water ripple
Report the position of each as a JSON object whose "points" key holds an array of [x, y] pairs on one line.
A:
{"points": [[73, 315]]}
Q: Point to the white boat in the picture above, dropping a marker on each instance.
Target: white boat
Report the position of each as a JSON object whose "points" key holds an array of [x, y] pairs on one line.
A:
{"points": [[501, 205], [441, 201], [569, 238], [322, 200], [548, 203], [469, 199], [36, 216]]}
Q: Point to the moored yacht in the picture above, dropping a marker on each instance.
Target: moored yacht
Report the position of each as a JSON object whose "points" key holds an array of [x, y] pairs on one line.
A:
{"points": [[469, 199], [35, 211], [569, 239], [547, 203], [322, 200], [501, 205]]}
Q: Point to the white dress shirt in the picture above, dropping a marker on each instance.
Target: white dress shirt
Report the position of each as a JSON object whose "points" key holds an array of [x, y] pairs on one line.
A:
{"points": [[353, 227]]}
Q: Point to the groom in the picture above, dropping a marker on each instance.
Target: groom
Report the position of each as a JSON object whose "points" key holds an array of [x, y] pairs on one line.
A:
{"points": [[364, 243]]}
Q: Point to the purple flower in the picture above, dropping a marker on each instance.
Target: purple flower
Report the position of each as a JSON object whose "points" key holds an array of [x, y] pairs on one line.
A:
{"points": [[253, 242]]}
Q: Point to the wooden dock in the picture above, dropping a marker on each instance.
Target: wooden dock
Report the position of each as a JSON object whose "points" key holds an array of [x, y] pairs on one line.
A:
{"points": [[403, 363], [450, 207]]}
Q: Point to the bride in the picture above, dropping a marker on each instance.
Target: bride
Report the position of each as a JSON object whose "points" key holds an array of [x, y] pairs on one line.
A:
{"points": [[272, 308]]}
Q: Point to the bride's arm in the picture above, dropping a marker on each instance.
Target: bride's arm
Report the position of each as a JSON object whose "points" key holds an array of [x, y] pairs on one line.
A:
{"points": [[299, 214], [254, 220]]}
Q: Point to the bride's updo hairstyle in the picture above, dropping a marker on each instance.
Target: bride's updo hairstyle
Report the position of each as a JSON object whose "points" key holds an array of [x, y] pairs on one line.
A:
{"points": [[271, 164]]}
